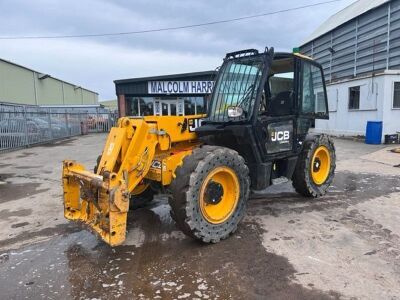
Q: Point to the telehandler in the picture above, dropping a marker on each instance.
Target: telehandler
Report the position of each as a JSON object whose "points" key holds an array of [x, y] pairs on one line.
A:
{"points": [[256, 133]]}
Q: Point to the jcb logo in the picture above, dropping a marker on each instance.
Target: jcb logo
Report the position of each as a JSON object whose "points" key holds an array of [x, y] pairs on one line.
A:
{"points": [[280, 136], [156, 164], [194, 123]]}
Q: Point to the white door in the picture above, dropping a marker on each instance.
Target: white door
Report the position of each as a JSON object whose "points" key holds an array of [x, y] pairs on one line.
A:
{"points": [[157, 108], [169, 108], [180, 108]]}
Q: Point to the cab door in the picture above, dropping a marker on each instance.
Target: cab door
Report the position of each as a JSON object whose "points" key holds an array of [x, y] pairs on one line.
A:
{"points": [[278, 117], [312, 97]]}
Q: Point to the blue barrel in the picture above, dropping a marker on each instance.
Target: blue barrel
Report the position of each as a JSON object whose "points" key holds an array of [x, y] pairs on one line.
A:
{"points": [[374, 132]]}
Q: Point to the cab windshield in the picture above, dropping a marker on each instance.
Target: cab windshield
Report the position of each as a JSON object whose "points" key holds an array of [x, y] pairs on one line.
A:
{"points": [[236, 86]]}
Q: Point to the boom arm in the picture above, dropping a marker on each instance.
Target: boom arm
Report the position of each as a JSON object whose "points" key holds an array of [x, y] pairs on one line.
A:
{"points": [[102, 200]]}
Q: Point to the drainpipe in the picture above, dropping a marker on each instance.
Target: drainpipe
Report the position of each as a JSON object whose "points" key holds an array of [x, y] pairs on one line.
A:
{"points": [[35, 88]]}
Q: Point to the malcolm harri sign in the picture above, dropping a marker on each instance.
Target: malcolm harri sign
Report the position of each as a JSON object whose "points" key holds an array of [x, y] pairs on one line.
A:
{"points": [[180, 87]]}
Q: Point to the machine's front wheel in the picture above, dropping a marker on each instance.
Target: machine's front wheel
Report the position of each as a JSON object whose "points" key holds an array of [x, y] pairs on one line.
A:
{"points": [[209, 193], [141, 196], [315, 167]]}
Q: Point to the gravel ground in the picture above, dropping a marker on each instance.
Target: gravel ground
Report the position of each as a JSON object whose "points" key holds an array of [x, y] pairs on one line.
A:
{"points": [[342, 246]]}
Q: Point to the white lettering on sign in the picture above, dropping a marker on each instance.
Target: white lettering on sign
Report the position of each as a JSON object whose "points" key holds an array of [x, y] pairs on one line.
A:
{"points": [[280, 136], [180, 87]]}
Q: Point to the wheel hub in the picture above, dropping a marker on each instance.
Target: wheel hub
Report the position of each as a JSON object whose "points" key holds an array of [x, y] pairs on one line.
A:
{"points": [[317, 165], [219, 194], [320, 165], [213, 193]]}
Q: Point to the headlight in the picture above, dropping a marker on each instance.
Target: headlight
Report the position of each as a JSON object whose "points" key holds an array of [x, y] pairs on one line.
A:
{"points": [[235, 111]]}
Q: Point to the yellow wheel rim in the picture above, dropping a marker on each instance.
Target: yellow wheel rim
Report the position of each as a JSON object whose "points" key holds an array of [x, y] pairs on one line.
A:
{"points": [[219, 195], [140, 188], [320, 165]]}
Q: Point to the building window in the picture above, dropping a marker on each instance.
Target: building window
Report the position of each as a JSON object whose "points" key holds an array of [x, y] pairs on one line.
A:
{"points": [[133, 106], [396, 95], [164, 106], [354, 97], [146, 106], [201, 105]]}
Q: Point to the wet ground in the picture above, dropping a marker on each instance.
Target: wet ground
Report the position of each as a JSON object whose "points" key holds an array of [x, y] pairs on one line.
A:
{"points": [[342, 246]]}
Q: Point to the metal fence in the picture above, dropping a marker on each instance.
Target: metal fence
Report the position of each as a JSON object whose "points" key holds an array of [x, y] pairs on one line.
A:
{"points": [[23, 125]]}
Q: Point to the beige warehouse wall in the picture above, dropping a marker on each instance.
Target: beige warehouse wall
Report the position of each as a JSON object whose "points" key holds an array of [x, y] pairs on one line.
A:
{"points": [[72, 94], [16, 84], [49, 91], [88, 97]]}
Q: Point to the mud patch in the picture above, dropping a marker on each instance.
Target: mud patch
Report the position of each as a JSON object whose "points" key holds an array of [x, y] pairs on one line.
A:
{"points": [[26, 154], [59, 230], [21, 224], [6, 214], [5, 165], [5, 176], [15, 191], [66, 142], [347, 189], [4, 257], [27, 167]]}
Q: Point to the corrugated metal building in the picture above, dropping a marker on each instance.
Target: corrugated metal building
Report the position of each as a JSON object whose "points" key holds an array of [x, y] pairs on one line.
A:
{"points": [[21, 85], [359, 48]]}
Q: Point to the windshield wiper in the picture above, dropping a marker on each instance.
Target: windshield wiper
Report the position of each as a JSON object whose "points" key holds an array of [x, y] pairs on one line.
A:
{"points": [[246, 97]]}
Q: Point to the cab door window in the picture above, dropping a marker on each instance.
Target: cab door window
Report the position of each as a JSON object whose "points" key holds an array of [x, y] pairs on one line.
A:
{"points": [[279, 90], [313, 99]]}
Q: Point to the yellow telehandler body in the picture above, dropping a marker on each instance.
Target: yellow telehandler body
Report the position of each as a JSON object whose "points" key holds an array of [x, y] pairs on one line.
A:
{"points": [[136, 150]]}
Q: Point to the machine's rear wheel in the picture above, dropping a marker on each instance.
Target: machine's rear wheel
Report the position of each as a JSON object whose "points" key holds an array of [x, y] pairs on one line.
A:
{"points": [[209, 193], [141, 196], [315, 167]]}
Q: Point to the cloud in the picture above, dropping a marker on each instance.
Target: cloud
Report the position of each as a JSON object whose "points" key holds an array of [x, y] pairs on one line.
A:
{"points": [[94, 63]]}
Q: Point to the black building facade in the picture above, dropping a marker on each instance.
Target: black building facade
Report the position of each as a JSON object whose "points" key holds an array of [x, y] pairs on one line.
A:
{"points": [[178, 94]]}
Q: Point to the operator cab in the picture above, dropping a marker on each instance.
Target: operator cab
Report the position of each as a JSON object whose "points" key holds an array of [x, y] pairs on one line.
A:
{"points": [[263, 105]]}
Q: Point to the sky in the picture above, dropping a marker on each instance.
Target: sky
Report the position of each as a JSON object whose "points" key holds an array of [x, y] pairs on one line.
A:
{"points": [[95, 62]]}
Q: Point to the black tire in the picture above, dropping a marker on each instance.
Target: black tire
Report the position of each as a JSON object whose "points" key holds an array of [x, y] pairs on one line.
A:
{"points": [[141, 200], [186, 187], [302, 180]]}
